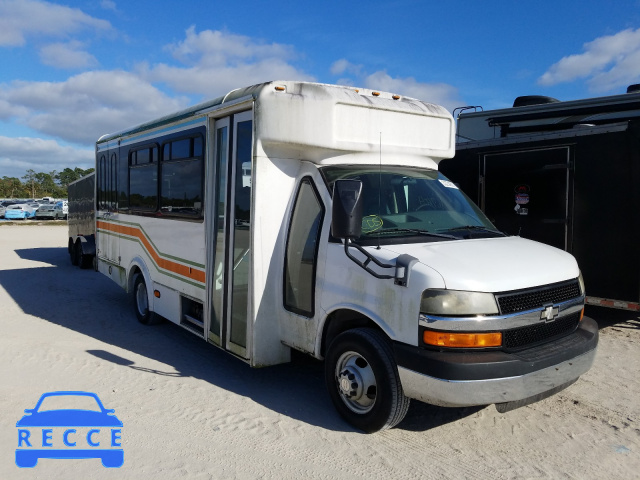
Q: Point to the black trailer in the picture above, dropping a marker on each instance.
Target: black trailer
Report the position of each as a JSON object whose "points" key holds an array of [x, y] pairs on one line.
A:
{"points": [[82, 222], [566, 174]]}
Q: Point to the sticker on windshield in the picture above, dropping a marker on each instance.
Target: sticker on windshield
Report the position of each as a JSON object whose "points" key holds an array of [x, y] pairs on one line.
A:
{"points": [[448, 184], [371, 223]]}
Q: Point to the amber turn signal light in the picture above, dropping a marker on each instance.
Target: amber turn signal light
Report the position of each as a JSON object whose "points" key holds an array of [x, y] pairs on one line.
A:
{"points": [[462, 340]]}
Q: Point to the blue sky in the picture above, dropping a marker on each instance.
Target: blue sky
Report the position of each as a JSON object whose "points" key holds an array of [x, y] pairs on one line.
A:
{"points": [[72, 71]]}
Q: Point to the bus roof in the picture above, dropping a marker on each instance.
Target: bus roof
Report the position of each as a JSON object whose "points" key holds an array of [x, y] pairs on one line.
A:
{"points": [[186, 113], [320, 122]]}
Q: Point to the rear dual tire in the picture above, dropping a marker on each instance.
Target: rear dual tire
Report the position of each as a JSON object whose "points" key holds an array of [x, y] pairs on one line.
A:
{"points": [[78, 258]]}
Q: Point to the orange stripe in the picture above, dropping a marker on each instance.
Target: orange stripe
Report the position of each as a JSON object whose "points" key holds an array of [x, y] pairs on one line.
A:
{"points": [[183, 270]]}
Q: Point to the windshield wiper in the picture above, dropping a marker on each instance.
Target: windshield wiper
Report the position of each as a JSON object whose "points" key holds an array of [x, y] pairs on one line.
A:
{"points": [[476, 227], [415, 230]]}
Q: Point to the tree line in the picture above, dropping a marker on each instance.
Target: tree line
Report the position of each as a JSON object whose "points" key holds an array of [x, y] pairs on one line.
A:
{"points": [[39, 184]]}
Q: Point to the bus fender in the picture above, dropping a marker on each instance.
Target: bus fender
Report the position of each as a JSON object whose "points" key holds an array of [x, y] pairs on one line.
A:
{"points": [[347, 311], [137, 263]]}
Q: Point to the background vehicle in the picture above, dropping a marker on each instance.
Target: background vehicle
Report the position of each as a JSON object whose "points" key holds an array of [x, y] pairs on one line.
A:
{"points": [[20, 211], [293, 215], [562, 173], [53, 211], [64, 205], [4, 205]]}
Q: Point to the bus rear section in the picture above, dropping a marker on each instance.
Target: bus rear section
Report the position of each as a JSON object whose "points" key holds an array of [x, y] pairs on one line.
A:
{"points": [[293, 215]]}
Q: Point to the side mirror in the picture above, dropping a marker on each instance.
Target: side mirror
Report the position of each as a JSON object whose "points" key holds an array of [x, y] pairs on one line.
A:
{"points": [[346, 218]]}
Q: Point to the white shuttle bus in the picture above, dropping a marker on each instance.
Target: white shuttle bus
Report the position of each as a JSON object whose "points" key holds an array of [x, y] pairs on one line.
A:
{"points": [[293, 215]]}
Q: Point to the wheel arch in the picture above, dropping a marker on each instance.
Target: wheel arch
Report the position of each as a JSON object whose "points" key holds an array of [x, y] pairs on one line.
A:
{"points": [[346, 318], [138, 266]]}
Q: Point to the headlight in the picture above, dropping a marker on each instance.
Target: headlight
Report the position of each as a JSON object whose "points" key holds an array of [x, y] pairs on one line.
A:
{"points": [[455, 302]]}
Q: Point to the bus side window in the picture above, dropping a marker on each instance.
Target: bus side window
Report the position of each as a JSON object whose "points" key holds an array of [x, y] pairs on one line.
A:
{"points": [[143, 179], [302, 250], [181, 183]]}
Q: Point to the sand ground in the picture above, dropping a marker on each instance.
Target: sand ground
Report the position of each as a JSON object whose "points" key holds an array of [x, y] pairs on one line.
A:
{"points": [[192, 411]]}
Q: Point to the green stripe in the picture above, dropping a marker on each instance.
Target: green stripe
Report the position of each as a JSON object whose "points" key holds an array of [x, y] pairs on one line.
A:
{"points": [[162, 271], [165, 255]]}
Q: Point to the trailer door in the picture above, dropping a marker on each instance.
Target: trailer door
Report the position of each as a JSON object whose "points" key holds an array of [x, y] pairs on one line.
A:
{"points": [[229, 245], [527, 193]]}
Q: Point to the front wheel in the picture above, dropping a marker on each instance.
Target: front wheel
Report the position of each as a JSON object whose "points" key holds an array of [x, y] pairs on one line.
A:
{"points": [[363, 381], [141, 302]]}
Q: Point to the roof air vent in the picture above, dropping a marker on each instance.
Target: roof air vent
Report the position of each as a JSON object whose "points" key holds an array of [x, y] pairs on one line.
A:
{"points": [[529, 100], [633, 88]]}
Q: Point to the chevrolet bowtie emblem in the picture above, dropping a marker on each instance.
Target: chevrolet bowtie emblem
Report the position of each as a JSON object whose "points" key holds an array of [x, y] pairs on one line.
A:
{"points": [[549, 314]]}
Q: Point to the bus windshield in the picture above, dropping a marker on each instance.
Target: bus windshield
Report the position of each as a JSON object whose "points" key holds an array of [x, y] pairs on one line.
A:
{"points": [[410, 202]]}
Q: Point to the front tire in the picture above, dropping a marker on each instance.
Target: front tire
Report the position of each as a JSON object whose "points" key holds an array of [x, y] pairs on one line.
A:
{"points": [[363, 381], [141, 302]]}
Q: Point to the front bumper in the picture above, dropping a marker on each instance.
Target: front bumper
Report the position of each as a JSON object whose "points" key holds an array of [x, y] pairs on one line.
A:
{"points": [[458, 379]]}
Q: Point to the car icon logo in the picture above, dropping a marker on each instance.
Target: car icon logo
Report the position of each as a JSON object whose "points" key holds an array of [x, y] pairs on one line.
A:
{"points": [[80, 427]]}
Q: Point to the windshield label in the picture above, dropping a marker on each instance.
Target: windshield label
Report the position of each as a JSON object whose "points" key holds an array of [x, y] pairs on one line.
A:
{"points": [[448, 184]]}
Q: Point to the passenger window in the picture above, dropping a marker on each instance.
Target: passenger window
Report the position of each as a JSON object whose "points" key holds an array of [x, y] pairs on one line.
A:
{"points": [[181, 180], [143, 179], [302, 250]]}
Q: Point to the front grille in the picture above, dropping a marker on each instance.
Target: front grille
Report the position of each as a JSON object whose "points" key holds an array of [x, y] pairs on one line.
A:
{"points": [[537, 298], [532, 334]]}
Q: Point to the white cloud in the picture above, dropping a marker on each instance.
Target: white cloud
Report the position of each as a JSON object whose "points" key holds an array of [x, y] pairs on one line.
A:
{"points": [[608, 63], [216, 62], [22, 18], [438, 93], [86, 106], [91, 104], [17, 155], [341, 66], [108, 5], [67, 55]]}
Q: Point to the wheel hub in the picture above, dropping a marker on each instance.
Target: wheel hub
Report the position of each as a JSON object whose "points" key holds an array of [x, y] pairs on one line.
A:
{"points": [[350, 383], [355, 382]]}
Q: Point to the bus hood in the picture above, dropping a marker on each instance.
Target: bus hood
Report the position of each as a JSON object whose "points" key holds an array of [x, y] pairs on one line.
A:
{"points": [[493, 264]]}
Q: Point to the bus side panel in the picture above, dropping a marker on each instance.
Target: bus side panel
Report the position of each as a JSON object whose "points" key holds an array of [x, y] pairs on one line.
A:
{"points": [[149, 215], [172, 251], [272, 212]]}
